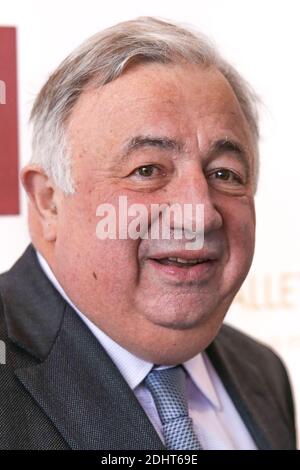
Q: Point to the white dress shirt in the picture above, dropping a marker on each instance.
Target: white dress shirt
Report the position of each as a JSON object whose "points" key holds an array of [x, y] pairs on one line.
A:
{"points": [[216, 420]]}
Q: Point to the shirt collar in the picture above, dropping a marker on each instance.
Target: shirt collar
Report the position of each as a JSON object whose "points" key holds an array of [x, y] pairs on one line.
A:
{"points": [[198, 369], [133, 369]]}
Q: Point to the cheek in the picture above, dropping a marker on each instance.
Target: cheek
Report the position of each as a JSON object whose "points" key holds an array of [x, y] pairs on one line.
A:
{"points": [[114, 273], [239, 222], [77, 233]]}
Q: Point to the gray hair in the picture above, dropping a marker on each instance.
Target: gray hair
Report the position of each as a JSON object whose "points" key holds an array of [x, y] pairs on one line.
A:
{"points": [[103, 58]]}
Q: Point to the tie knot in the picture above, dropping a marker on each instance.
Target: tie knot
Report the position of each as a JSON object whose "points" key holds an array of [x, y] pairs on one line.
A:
{"points": [[168, 389]]}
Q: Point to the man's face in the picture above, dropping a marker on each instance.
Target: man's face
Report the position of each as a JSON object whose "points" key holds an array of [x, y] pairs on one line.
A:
{"points": [[158, 134]]}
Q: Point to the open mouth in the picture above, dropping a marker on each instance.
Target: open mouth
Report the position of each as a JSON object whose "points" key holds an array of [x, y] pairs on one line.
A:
{"points": [[181, 262], [185, 267]]}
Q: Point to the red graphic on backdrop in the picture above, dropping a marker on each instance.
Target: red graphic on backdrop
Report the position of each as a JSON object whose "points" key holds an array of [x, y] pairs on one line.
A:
{"points": [[9, 186]]}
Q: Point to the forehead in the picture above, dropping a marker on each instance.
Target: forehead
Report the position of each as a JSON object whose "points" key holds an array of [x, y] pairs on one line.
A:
{"points": [[171, 99]]}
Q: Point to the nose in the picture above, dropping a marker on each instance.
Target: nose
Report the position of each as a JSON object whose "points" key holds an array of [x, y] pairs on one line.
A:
{"points": [[191, 187]]}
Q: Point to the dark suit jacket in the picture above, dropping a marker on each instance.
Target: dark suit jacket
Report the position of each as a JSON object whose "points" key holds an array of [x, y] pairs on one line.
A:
{"points": [[60, 390]]}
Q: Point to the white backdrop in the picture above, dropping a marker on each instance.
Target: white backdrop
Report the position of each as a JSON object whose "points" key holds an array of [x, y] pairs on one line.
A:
{"points": [[262, 39]]}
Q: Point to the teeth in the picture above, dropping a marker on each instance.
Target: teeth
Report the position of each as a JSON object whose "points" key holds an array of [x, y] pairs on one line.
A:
{"points": [[185, 261]]}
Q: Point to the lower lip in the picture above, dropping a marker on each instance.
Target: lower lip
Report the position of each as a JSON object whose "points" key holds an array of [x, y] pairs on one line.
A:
{"points": [[198, 272]]}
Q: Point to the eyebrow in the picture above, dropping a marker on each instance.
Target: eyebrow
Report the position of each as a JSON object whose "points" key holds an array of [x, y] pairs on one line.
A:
{"points": [[144, 141], [166, 143]]}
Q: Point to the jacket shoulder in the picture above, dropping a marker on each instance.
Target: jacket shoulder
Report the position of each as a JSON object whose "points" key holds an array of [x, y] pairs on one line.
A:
{"points": [[254, 350]]}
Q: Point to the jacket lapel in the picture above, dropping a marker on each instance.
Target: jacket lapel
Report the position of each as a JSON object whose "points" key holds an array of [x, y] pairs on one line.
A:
{"points": [[249, 391], [84, 395], [74, 381]]}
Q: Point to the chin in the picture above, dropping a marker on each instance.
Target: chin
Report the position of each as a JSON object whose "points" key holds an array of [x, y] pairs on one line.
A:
{"points": [[181, 316], [177, 348], [186, 322]]}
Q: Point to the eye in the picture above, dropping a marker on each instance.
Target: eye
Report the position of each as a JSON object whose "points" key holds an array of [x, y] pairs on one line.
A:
{"points": [[147, 171], [225, 175]]}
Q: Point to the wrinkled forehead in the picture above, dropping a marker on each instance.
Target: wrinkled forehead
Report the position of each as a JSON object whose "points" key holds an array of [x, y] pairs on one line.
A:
{"points": [[149, 98]]}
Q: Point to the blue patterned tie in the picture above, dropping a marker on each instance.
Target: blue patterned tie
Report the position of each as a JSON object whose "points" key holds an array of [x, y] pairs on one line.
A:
{"points": [[167, 387]]}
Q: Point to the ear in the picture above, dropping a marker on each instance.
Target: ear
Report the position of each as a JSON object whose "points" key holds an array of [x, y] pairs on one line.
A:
{"points": [[43, 197]]}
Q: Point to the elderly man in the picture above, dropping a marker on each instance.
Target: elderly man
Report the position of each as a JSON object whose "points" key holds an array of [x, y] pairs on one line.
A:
{"points": [[117, 342]]}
